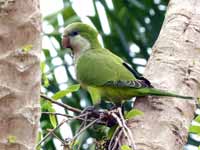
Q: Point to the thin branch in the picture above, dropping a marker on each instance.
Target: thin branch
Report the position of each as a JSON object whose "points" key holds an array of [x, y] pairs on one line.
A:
{"points": [[48, 134], [58, 114], [120, 124], [86, 127], [61, 104], [58, 126], [117, 140], [62, 141], [117, 130], [117, 115], [80, 117], [126, 127]]}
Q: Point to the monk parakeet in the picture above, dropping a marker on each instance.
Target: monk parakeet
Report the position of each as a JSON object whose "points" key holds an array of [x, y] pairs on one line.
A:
{"points": [[102, 73]]}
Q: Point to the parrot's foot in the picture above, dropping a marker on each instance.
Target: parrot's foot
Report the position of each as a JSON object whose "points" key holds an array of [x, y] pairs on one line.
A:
{"points": [[92, 111], [89, 109], [116, 106], [113, 107], [104, 115]]}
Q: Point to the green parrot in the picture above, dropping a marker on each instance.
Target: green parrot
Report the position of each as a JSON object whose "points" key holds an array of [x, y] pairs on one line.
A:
{"points": [[103, 74]]}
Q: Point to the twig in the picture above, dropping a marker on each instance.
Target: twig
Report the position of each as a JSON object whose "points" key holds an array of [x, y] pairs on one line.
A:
{"points": [[62, 141], [58, 114], [80, 117], [58, 126], [61, 104], [48, 134], [90, 124], [113, 137], [81, 126], [128, 130], [121, 122], [121, 125], [117, 140]]}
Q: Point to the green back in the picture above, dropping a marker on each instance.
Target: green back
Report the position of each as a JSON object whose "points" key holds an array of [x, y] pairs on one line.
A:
{"points": [[95, 67]]}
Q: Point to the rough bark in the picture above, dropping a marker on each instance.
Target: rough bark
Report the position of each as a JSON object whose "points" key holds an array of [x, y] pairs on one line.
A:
{"points": [[174, 66], [19, 73]]}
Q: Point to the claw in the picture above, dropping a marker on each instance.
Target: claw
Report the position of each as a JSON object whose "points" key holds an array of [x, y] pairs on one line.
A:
{"points": [[92, 111]]}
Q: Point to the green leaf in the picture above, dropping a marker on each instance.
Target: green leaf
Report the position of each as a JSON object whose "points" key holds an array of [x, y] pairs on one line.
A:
{"points": [[132, 113], [198, 100], [44, 77], [194, 129], [39, 138], [53, 120], [51, 109], [63, 93], [125, 147], [197, 119], [199, 148], [68, 13], [51, 116], [11, 139], [46, 81], [74, 145], [46, 105], [138, 4], [111, 131], [27, 48], [42, 66]]}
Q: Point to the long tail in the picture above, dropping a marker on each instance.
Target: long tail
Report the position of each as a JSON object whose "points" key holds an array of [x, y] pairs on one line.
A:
{"points": [[158, 92]]}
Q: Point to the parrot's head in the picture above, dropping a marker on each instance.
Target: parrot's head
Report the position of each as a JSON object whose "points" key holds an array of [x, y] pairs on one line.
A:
{"points": [[79, 37]]}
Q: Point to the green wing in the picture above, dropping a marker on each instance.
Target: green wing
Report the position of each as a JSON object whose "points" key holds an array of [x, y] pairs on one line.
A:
{"points": [[96, 67], [102, 69]]}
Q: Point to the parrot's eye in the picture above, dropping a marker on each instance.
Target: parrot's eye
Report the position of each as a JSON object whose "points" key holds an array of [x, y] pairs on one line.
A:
{"points": [[73, 33]]}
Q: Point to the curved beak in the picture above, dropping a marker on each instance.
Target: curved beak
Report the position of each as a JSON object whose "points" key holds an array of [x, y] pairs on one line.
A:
{"points": [[66, 42]]}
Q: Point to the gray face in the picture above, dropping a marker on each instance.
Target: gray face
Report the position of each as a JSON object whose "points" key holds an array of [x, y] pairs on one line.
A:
{"points": [[77, 43]]}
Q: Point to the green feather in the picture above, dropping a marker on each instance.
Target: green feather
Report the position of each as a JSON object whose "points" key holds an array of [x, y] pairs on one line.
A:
{"points": [[98, 66]]}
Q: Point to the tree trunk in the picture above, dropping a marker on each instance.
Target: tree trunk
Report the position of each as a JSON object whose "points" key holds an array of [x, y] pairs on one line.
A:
{"points": [[174, 66], [20, 25]]}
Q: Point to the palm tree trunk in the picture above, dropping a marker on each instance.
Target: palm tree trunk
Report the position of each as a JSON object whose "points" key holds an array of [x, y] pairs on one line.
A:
{"points": [[20, 26], [174, 65]]}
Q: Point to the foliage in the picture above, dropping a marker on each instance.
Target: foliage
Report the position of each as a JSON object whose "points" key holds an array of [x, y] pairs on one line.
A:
{"points": [[62, 93], [125, 147], [27, 48], [133, 113], [134, 27], [11, 139]]}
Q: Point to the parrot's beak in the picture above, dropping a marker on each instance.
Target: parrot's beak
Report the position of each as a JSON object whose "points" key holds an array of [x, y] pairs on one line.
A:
{"points": [[66, 42]]}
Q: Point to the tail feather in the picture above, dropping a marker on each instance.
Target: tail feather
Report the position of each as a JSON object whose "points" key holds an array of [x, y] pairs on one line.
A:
{"points": [[157, 92]]}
